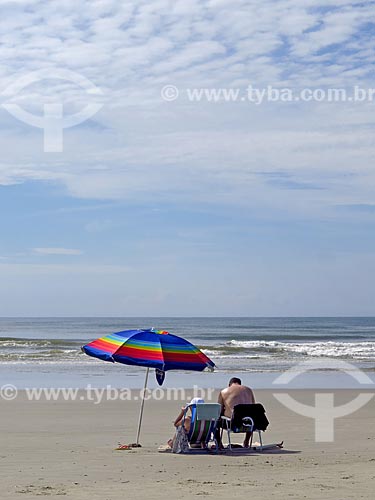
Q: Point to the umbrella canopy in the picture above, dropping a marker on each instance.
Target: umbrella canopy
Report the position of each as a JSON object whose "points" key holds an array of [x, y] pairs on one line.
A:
{"points": [[151, 348]]}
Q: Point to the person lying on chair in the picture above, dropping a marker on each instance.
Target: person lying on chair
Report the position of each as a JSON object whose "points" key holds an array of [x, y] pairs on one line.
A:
{"points": [[233, 395]]}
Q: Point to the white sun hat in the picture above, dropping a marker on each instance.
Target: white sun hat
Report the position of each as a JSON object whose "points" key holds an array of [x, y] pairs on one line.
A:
{"points": [[196, 401]]}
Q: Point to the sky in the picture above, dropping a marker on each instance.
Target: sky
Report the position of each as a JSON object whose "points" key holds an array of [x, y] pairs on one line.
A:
{"points": [[169, 207]]}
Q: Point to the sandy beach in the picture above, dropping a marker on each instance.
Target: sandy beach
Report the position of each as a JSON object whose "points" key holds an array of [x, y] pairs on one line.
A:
{"points": [[68, 449]]}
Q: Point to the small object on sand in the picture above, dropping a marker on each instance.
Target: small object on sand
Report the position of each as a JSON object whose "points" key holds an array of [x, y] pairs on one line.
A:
{"points": [[123, 447], [129, 446], [272, 446], [164, 448]]}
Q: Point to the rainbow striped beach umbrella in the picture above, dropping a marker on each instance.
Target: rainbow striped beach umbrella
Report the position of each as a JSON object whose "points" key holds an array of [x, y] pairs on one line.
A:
{"points": [[150, 348]]}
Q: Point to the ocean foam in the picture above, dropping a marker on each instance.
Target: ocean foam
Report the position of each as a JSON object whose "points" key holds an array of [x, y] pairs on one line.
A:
{"points": [[354, 350]]}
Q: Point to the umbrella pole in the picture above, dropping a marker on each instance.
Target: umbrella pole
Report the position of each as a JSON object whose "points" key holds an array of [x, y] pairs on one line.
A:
{"points": [[142, 405]]}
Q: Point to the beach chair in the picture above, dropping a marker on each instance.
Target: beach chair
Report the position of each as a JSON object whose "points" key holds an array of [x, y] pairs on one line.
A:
{"points": [[245, 418], [204, 420]]}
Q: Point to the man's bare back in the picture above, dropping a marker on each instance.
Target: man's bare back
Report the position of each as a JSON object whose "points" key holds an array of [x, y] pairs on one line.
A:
{"points": [[231, 396], [234, 395]]}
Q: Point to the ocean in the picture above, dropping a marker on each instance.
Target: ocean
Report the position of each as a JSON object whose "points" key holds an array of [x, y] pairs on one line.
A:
{"points": [[46, 351]]}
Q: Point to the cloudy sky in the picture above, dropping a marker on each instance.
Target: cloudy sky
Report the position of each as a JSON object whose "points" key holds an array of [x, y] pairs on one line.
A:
{"points": [[179, 208]]}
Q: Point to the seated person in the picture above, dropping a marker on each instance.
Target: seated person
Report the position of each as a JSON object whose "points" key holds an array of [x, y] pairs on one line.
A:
{"points": [[231, 396], [179, 419]]}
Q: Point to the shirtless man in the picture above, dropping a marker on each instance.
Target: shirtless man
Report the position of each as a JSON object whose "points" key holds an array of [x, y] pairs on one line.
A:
{"points": [[231, 396]]}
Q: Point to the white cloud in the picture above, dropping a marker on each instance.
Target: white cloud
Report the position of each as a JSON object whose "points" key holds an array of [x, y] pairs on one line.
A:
{"points": [[57, 251], [139, 144]]}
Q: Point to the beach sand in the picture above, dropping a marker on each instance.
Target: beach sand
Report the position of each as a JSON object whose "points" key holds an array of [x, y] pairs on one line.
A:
{"points": [[68, 449]]}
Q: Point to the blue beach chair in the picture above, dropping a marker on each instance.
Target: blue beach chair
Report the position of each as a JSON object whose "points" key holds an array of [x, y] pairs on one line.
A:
{"points": [[204, 420]]}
